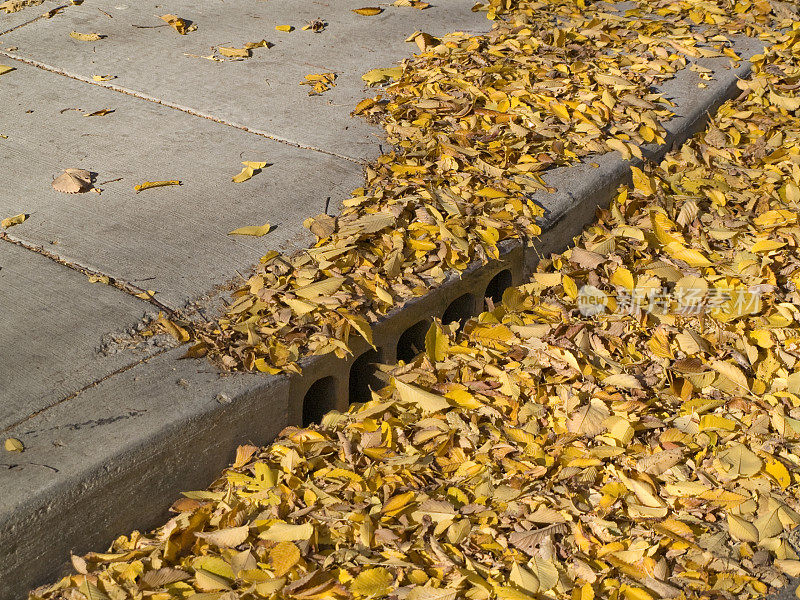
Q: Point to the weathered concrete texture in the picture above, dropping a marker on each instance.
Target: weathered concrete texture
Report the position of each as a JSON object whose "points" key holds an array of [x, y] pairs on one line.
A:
{"points": [[262, 92], [787, 592], [173, 240], [51, 326], [121, 449], [11, 21]]}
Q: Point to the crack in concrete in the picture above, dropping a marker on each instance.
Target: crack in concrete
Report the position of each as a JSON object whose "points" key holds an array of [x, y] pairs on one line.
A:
{"points": [[120, 284], [88, 386], [175, 106]]}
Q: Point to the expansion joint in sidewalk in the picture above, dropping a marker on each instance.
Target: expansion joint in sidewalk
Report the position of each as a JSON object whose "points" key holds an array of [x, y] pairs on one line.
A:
{"points": [[174, 106], [125, 286]]}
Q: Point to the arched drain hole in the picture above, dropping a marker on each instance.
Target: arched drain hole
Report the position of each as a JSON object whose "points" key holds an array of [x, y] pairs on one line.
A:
{"points": [[362, 377], [320, 399], [499, 284], [460, 309], [412, 342]]}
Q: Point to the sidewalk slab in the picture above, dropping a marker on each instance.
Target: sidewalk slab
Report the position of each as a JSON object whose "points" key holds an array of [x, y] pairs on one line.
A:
{"points": [[262, 92], [52, 323], [173, 240]]}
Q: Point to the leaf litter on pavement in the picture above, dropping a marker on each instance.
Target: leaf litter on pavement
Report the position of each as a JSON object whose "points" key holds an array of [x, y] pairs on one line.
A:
{"points": [[474, 120], [634, 451], [319, 82]]}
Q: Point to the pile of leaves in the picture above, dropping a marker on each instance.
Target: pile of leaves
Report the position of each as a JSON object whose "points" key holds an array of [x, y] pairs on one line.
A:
{"points": [[638, 452], [474, 121], [499, 465]]}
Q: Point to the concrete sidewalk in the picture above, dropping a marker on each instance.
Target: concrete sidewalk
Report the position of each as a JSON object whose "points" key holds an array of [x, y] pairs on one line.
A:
{"points": [[111, 434], [171, 240], [74, 396]]}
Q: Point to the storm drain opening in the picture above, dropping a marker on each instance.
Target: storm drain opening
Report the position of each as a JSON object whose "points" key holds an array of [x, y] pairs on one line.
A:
{"points": [[460, 309], [499, 284], [362, 377], [412, 342], [319, 399]]}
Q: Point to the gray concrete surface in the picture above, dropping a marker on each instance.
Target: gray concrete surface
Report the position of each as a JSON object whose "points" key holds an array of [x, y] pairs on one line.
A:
{"points": [[173, 240], [51, 326], [87, 467], [261, 92], [119, 436], [11, 21]]}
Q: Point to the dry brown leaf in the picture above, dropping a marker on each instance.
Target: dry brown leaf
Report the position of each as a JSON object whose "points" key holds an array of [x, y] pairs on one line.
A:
{"points": [[177, 23], [73, 181]]}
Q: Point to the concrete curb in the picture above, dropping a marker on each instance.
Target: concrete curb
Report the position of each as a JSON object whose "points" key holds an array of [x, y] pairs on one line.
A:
{"points": [[134, 441]]}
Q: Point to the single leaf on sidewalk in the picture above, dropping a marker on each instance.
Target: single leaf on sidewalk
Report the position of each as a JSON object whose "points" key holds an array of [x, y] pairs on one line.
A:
{"points": [[368, 11], [11, 221], [316, 25], [154, 184], [14, 445], [73, 181], [86, 37], [177, 23], [411, 3], [234, 52], [99, 113], [254, 230], [250, 169]]}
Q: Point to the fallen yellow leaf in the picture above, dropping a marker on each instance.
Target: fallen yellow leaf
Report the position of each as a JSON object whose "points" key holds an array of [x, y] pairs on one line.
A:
{"points": [[254, 230], [234, 52], [178, 24], [368, 11], [250, 169], [14, 445], [154, 184], [10, 221], [376, 76], [86, 37]]}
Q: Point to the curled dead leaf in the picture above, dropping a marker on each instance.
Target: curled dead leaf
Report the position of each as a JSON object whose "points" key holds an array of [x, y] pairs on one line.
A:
{"points": [[73, 181]]}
